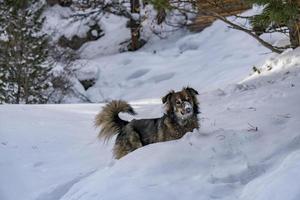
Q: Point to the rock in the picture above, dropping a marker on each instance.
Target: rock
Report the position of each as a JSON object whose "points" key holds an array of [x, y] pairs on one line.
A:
{"points": [[76, 42], [87, 83]]}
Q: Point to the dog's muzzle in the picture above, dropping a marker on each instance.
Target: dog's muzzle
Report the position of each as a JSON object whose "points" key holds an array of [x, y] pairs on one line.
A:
{"points": [[186, 111], [187, 108]]}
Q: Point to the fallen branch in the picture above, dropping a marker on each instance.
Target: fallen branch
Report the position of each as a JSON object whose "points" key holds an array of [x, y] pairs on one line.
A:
{"points": [[252, 128]]}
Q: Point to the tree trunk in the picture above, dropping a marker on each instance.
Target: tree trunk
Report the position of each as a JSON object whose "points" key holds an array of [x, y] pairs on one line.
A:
{"points": [[19, 83], [294, 34], [135, 25]]}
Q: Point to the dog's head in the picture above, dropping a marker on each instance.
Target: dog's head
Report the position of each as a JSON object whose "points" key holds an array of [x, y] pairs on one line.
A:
{"points": [[182, 104]]}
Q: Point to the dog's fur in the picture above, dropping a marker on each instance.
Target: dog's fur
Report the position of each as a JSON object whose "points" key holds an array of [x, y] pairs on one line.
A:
{"points": [[181, 109]]}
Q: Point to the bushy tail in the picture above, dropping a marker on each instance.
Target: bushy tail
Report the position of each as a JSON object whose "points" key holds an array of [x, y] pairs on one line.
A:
{"points": [[109, 119]]}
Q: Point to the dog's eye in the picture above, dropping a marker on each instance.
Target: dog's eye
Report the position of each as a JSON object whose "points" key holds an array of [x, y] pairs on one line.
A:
{"points": [[178, 102]]}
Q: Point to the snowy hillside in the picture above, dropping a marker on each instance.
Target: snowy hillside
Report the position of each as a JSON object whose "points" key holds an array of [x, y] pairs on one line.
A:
{"points": [[207, 60], [51, 152], [248, 146]]}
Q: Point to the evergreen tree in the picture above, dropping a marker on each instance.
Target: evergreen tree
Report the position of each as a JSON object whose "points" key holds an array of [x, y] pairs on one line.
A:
{"points": [[24, 77], [277, 14]]}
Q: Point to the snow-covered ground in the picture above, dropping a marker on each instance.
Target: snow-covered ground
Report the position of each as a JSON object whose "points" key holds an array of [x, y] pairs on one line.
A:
{"points": [[248, 146], [51, 152]]}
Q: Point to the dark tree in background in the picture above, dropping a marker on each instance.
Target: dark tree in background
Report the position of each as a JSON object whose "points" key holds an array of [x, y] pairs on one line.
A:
{"points": [[24, 76]]}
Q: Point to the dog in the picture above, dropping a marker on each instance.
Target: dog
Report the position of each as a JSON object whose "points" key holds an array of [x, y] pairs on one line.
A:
{"points": [[180, 117]]}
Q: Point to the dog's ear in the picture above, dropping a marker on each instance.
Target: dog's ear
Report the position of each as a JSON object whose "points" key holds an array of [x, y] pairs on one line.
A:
{"points": [[191, 90], [168, 96]]}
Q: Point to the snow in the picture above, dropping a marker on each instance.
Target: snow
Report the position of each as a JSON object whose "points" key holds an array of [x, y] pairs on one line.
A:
{"points": [[62, 21], [248, 146], [33, 153], [271, 186], [51, 151], [115, 31], [212, 58]]}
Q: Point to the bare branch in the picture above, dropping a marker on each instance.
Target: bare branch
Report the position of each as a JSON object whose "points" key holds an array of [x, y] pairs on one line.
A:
{"points": [[113, 8]]}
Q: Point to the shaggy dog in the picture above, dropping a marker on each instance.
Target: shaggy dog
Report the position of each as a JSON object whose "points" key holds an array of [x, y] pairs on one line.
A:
{"points": [[181, 109]]}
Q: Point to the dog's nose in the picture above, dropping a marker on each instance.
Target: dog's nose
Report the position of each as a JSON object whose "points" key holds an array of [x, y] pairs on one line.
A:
{"points": [[187, 107], [188, 110]]}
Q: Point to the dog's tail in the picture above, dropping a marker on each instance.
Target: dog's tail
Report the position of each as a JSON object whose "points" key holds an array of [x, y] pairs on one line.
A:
{"points": [[109, 119]]}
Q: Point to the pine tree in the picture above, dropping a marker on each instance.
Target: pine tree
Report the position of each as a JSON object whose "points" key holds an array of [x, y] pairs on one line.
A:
{"points": [[24, 77], [277, 14]]}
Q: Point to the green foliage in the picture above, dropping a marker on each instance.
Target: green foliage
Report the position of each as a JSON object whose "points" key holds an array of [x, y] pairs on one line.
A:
{"points": [[161, 4], [24, 77], [17, 4], [275, 12]]}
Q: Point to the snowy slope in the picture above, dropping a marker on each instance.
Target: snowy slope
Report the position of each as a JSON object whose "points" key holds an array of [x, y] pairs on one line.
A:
{"points": [[214, 57], [227, 158], [41, 150], [51, 152]]}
